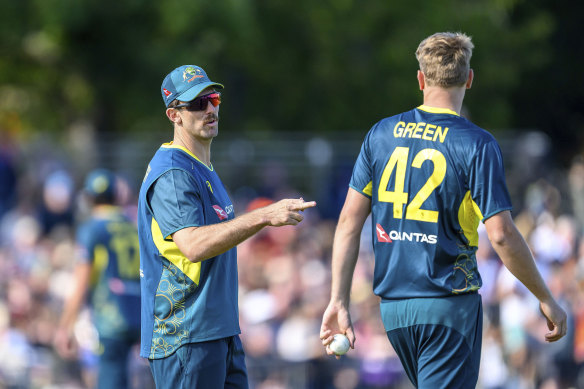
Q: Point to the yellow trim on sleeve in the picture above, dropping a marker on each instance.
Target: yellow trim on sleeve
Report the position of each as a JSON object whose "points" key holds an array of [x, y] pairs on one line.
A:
{"points": [[469, 216], [368, 190], [169, 250], [437, 110]]}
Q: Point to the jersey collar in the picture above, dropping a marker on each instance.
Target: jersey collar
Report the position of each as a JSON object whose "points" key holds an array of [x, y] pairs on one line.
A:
{"points": [[437, 110], [170, 145]]}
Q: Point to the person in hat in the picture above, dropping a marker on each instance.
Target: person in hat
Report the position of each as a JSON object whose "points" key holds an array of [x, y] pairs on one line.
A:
{"points": [[188, 233], [107, 276], [428, 177]]}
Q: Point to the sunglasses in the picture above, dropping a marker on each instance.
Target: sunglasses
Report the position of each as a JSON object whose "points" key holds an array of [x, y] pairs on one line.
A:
{"points": [[202, 102]]}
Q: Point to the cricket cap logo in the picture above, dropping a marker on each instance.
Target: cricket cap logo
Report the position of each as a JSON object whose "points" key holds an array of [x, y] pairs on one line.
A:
{"points": [[191, 73], [185, 83]]}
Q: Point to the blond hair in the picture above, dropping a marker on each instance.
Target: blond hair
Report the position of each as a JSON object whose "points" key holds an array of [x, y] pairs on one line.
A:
{"points": [[444, 59]]}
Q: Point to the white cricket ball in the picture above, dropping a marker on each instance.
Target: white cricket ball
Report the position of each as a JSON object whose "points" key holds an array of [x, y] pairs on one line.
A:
{"points": [[340, 344]]}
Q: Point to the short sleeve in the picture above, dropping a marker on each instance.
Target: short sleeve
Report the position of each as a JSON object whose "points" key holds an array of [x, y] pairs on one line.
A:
{"points": [[487, 181], [361, 180], [175, 202]]}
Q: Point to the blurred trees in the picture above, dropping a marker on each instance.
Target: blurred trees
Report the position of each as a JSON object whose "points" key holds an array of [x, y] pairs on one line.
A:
{"points": [[549, 96], [318, 66]]}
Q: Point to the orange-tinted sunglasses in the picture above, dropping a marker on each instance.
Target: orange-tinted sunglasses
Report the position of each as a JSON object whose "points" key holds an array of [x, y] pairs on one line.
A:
{"points": [[202, 102]]}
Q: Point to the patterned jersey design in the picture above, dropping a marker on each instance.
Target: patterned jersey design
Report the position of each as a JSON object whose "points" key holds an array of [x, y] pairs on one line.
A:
{"points": [[432, 176], [183, 301]]}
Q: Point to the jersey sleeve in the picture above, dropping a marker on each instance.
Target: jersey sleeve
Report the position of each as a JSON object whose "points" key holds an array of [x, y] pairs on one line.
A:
{"points": [[362, 180], [175, 202], [487, 181]]}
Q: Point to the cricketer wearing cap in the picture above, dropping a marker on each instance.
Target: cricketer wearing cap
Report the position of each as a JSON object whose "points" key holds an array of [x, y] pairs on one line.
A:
{"points": [[108, 272], [188, 232], [428, 177]]}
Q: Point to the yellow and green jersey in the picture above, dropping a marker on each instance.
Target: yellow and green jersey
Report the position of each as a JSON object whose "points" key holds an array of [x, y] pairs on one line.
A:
{"points": [[109, 242], [183, 302], [432, 176]]}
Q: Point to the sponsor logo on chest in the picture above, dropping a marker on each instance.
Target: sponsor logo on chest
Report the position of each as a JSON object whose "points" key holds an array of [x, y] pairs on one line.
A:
{"points": [[221, 213], [393, 235]]}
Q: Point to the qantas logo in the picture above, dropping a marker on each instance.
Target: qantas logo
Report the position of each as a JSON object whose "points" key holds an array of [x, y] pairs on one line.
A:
{"points": [[166, 92], [220, 212], [381, 234], [393, 235]]}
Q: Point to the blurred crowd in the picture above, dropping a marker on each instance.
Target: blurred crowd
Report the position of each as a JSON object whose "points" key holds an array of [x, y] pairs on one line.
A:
{"points": [[284, 289]]}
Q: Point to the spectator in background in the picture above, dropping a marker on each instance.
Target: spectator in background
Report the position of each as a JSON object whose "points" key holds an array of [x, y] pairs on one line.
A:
{"points": [[8, 180], [576, 189], [56, 208], [108, 274]]}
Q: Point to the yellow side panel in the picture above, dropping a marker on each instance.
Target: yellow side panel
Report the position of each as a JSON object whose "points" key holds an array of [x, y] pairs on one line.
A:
{"points": [[170, 251], [469, 216]]}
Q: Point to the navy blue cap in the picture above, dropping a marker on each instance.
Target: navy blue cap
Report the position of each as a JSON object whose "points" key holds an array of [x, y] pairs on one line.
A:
{"points": [[185, 83], [101, 183]]}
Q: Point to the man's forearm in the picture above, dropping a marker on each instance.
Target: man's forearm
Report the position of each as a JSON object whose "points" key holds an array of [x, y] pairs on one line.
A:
{"points": [[346, 245], [345, 254], [209, 241], [518, 259], [75, 299], [516, 256], [200, 243]]}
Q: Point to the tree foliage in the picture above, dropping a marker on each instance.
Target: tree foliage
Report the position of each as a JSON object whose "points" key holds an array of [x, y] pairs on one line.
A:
{"points": [[320, 66]]}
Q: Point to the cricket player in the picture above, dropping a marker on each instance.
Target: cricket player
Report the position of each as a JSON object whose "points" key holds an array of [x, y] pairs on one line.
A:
{"points": [[188, 232], [106, 276], [428, 177]]}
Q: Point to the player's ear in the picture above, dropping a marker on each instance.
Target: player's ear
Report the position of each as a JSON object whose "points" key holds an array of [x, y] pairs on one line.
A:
{"points": [[470, 78], [421, 80], [173, 115]]}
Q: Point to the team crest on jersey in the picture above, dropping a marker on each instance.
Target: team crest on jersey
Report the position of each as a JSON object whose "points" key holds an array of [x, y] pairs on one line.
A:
{"points": [[193, 73], [220, 212]]}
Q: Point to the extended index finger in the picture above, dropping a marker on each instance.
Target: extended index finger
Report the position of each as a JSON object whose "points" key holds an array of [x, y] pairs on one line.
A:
{"points": [[303, 205]]}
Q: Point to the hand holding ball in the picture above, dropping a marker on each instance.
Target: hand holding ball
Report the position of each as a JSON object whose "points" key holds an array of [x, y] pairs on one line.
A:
{"points": [[340, 344]]}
